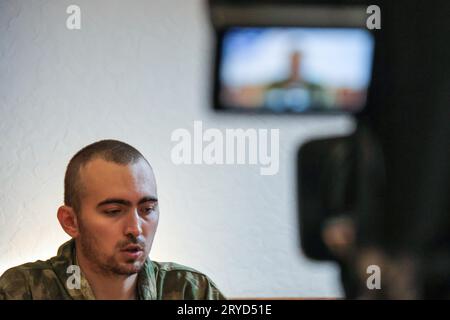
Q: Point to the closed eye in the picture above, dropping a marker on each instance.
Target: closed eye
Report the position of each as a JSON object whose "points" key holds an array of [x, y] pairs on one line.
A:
{"points": [[112, 212], [148, 210]]}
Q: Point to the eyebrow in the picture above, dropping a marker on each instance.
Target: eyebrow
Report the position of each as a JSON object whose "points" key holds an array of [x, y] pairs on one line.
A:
{"points": [[125, 202]]}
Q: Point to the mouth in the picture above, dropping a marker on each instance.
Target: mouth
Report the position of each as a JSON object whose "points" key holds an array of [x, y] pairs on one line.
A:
{"points": [[132, 251]]}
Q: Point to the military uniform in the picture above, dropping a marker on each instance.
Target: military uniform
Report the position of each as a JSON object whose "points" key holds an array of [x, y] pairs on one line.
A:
{"points": [[51, 279]]}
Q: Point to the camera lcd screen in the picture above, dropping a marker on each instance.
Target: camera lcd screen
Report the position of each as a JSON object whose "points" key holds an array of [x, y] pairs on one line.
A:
{"points": [[294, 69]]}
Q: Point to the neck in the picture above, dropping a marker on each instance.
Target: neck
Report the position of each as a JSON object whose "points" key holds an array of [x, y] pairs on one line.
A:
{"points": [[295, 75], [107, 286]]}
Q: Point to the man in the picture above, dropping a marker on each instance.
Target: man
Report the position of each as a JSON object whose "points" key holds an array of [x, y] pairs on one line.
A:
{"points": [[111, 212]]}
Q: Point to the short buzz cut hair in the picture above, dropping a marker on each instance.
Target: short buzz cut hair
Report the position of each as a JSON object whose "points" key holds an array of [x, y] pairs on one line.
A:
{"points": [[109, 150]]}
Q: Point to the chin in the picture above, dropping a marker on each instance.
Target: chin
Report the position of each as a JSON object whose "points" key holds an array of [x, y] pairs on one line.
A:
{"points": [[132, 267]]}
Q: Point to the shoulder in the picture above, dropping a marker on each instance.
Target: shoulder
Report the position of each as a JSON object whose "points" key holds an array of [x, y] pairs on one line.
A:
{"points": [[15, 282], [176, 281], [168, 270], [172, 266]]}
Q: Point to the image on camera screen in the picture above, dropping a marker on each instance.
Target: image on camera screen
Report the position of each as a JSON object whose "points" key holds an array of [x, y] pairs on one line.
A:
{"points": [[295, 69]]}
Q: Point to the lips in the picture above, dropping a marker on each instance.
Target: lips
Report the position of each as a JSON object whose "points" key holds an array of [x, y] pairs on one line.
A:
{"points": [[132, 251], [132, 248]]}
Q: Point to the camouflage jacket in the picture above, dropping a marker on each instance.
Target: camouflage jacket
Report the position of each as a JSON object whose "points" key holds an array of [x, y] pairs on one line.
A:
{"points": [[51, 280]]}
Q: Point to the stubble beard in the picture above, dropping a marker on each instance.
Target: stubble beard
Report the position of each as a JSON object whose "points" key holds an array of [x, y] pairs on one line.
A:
{"points": [[107, 265]]}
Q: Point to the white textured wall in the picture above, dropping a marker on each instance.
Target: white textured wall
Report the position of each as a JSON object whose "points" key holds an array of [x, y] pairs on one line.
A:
{"points": [[136, 71]]}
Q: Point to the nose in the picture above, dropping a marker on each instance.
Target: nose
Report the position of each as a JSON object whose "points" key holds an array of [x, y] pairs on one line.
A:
{"points": [[133, 224]]}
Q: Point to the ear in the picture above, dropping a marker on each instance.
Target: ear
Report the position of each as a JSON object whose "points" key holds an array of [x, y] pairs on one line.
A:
{"points": [[68, 221]]}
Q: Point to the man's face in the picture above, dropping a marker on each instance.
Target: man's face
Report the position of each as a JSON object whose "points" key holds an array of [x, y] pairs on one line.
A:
{"points": [[119, 215]]}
